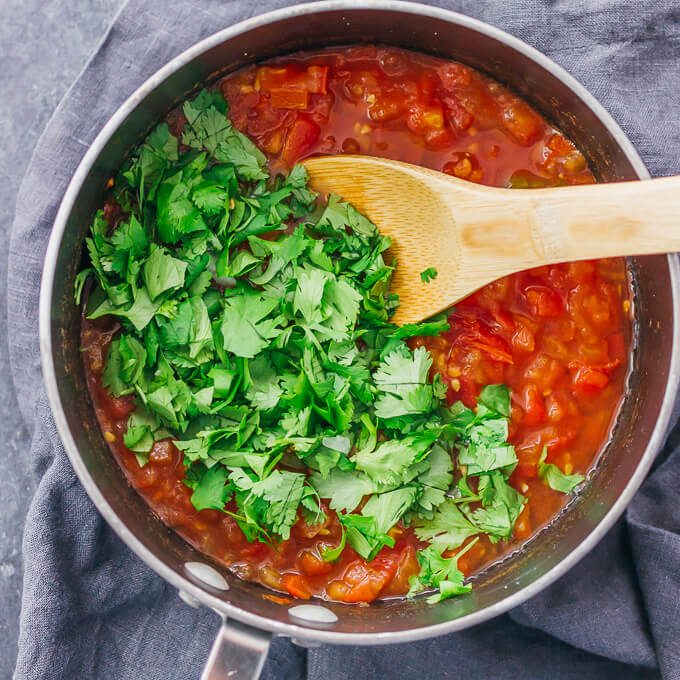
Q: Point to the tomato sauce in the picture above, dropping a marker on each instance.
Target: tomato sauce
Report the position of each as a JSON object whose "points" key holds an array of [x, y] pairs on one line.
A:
{"points": [[557, 336]]}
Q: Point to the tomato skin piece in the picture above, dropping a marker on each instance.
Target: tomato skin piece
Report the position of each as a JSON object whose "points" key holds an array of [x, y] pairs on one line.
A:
{"points": [[300, 139], [296, 585]]}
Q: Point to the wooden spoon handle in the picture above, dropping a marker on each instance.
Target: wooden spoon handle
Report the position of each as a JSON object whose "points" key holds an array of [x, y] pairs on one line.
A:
{"points": [[604, 220]]}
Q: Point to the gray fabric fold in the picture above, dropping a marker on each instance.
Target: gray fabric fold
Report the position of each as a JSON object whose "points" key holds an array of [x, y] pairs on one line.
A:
{"points": [[91, 609]]}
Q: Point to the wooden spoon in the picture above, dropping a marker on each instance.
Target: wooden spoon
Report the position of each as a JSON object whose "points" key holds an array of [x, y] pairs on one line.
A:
{"points": [[474, 234]]}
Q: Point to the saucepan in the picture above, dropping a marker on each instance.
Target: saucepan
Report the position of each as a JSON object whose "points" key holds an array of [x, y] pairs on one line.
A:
{"points": [[249, 618]]}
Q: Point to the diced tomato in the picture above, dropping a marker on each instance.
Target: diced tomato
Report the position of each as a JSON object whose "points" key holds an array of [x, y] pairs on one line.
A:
{"points": [[428, 82], [559, 406], [521, 121], [534, 408], [283, 98], [387, 106], [359, 84], [474, 556], [454, 75], [559, 144], [320, 107], [267, 119], [300, 139], [543, 301], [163, 452], [424, 117], [297, 586], [393, 62], [481, 104], [313, 79], [364, 580], [523, 339], [441, 138], [407, 567], [458, 116], [588, 379]]}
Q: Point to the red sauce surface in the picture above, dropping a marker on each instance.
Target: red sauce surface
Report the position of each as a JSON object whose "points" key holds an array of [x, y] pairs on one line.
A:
{"points": [[557, 336]]}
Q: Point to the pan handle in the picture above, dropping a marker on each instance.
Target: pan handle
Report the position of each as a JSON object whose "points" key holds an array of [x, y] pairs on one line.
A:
{"points": [[238, 652]]}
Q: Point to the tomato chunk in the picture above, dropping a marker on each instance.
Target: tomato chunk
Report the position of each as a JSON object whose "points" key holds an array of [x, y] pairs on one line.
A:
{"points": [[534, 408], [363, 580], [300, 139], [297, 586], [543, 301], [284, 98], [313, 79], [587, 379]]}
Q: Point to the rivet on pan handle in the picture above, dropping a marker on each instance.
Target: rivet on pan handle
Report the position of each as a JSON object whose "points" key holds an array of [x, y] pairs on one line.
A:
{"points": [[238, 653]]}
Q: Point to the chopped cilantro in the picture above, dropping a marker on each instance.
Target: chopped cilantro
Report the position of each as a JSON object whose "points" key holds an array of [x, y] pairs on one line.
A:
{"points": [[255, 332], [437, 571], [555, 478], [428, 275]]}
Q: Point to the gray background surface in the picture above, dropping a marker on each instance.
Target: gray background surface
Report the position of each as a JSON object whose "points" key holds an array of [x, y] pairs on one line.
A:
{"points": [[43, 46]]}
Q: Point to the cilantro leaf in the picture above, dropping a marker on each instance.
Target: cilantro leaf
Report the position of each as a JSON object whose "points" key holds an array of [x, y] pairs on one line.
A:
{"points": [[162, 272], [402, 379], [212, 490], [391, 461], [364, 535], [555, 478], [447, 530], [428, 275], [501, 507], [388, 508], [436, 479], [247, 327], [440, 572], [334, 554], [344, 488]]}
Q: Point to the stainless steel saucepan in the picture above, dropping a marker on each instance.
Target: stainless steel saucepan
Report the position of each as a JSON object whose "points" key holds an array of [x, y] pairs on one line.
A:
{"points": [[249, 618]]}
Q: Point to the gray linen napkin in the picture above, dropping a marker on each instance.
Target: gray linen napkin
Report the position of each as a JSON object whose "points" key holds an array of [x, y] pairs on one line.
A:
{"points": [[91, 609]]}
